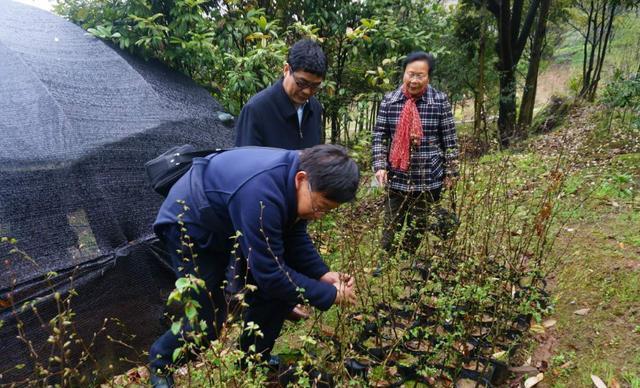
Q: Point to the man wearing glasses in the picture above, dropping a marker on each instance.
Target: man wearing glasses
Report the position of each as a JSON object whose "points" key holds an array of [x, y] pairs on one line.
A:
{"points": [[255, 202], [286, 115]]}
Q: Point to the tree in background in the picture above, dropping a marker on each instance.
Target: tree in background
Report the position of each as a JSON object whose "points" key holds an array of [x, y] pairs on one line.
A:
{"points": [[235, 49], [343, 26], [513, 33], [531, 82], [230, 48], [594, 20], [473, 32]]}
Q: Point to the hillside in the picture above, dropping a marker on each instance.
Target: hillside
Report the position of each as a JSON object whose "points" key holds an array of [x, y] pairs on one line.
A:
{"points": [[595, 284]]}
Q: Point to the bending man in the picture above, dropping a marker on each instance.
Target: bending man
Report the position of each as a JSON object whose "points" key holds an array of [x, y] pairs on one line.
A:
{"points": [[267, 195]]}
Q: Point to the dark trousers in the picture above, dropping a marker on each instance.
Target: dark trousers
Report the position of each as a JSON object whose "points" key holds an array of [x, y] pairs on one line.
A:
{"points": [[412, 207], [210, 266]]}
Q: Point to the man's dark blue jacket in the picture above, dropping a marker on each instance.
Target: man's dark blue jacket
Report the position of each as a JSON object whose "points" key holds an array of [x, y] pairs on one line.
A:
{"points": [[252, 191], [269, 119]]}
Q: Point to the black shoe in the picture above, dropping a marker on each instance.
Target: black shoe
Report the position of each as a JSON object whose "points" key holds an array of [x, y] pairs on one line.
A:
{"points": [[160, 381]]}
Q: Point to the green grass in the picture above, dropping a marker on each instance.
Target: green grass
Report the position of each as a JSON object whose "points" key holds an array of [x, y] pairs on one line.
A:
{"points": [[599, 269], [625, 46], [570, 49]]}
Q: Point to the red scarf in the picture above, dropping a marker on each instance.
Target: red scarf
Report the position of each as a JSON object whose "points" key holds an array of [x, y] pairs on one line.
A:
{"points": [[409, 130]]}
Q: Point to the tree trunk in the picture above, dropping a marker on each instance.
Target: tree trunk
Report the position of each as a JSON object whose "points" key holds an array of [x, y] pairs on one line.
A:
{"points": [[335, 126], [513, 34], [596, 48], [598, 70], [323, 132], [478, 102], [531, 82], [586, 72], [335, 104], [600, 18], [507, 107]]}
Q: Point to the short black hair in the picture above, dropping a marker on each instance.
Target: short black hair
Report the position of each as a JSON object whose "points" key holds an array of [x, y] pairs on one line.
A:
{"points": [[420, 56], [307, 55], [331, 172]]}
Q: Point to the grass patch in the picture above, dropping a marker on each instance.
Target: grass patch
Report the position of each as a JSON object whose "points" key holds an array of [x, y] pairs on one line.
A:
{"points": [[570, 49], [602, 275]]}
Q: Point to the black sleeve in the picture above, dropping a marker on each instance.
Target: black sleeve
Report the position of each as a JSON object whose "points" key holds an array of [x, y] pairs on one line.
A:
{"points": [[248, 130]]}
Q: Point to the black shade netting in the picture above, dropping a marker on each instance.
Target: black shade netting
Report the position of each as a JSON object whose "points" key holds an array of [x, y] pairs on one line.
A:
{"points": [[78, 120]]}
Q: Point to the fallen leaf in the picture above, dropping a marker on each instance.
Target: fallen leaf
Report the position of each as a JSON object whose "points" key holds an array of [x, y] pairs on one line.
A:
{"points": [[549, 323], [466, 383], [499, 355], [566, 365], [531, 381], [182, 371], [487, 318], [582, 312], [597, 381], [537, 329], [523, 369], [327, 331]]}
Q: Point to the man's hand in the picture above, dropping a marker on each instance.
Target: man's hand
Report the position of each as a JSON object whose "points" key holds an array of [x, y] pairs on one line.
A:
{"points": [[346, 294], [330, 277], [298, 313], [381, 177], [335, 277], [345, 284]]}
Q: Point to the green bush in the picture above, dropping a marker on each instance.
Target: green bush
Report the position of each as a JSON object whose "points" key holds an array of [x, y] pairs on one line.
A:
{"points": [[234, 54], [622, 95]]}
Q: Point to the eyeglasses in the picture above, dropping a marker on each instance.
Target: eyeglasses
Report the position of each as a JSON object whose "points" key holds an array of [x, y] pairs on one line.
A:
{"points": [[304, 84], [314, 208], [418, 76]]}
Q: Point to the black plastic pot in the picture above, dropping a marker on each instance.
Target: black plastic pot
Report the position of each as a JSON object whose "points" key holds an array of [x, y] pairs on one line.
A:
{"points": [[356, 368]]}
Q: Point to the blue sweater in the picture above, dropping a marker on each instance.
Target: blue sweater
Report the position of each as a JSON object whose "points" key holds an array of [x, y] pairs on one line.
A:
{"points": [[269, 119], [252, 190]]}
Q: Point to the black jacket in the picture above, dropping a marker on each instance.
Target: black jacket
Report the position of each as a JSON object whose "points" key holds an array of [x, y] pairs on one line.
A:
{"points": [[269, 119]]}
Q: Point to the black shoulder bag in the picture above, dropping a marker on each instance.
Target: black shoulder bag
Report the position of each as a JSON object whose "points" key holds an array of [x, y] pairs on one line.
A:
{"points": [[165, 170]]}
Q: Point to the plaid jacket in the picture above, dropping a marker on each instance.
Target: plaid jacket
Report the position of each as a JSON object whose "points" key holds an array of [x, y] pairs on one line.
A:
{"points": [[436, 155]]}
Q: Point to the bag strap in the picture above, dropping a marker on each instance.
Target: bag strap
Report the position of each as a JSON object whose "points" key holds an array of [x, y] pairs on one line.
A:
{"points": [[203, 153]]}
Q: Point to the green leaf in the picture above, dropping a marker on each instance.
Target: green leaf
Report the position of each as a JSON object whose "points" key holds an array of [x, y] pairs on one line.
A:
{"points": [[175, 327], [190, 311], [176, 354], [262, 22], [182, 284], [175, 296]]}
